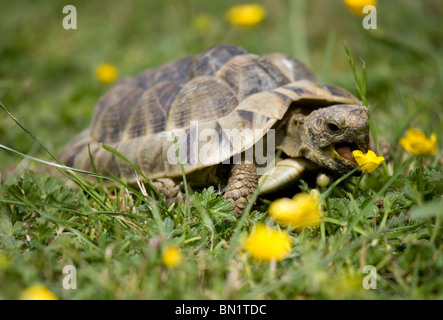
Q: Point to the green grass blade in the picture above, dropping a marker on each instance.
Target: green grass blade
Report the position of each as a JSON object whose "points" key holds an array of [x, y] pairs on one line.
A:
{"points": [[328, 191], [136, 169], [182, 169], [25, 129]]}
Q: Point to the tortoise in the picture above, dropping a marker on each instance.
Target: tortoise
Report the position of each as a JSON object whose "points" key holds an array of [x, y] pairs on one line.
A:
{"points": [[212, 99]]}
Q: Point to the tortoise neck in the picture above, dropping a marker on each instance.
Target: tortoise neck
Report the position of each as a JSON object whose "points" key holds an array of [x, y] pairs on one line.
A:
{"points": [[293, 133]]}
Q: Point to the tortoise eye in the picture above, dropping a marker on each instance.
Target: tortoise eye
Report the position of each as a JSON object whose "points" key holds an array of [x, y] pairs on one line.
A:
{"points": [[332, 127]]}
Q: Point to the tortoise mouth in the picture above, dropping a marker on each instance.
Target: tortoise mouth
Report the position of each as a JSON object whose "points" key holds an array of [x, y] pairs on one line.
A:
{"points": [[344, 151]]}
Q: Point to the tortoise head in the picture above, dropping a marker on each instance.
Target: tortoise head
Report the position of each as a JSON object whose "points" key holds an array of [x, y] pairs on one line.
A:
{"points": [[328, 136]]}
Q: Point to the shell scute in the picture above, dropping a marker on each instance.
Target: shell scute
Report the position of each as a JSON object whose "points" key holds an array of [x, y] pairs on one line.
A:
{"points": [[113, 110], [292, 68], [202, 99], [176, 72], [247, 75], [210, 61], [150, 114]]}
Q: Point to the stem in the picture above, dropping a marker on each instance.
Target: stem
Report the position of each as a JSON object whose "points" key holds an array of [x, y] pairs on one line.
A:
{"points": [[272, 269], [420, 184], [436, 229], [336, 182], [383, 220], [185, 183], [361, 87], [322, 231], [357, 185], [328, 209]]}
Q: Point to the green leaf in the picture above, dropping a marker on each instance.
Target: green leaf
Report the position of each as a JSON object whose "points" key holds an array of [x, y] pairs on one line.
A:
{"points": [[5, 225], [213, 205], [429, 210]]}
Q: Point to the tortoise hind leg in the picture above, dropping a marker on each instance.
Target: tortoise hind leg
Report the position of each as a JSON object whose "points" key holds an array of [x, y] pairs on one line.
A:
{"points": [[242, 183], [171, 191]]}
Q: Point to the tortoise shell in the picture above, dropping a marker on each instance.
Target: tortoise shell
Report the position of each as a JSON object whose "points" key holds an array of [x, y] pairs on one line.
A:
{"points": [[223, 88]]}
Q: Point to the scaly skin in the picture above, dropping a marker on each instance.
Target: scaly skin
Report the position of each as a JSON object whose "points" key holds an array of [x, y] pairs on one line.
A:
{"points": [[241, 186]]}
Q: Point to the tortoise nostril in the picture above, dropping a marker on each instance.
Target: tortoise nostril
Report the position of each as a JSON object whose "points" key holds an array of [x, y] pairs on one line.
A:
{"points": [[332, 127]]}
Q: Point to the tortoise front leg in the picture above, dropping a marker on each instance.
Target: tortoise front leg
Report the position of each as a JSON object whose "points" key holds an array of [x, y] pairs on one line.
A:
{"points": [[242, 183], [284, 174]]}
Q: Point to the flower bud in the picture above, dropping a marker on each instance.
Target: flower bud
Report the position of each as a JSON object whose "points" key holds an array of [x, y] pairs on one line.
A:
{"points": [[323, 180]]}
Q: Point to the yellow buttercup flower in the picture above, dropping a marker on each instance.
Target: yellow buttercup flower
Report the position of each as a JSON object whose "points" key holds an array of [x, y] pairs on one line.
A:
{"points": [[368, 161], [106, 73], [265, 244], [37, 292], [171, 257], [301, 211], [246, 15], [417, 143], [356, 6], [283, 210]]}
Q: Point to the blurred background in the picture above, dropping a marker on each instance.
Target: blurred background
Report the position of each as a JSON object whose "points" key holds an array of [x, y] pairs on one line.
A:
{"points": [[48, 74]]}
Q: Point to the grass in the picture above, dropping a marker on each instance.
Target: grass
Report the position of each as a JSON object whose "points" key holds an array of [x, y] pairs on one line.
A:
{"points": [[114, 236]]}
